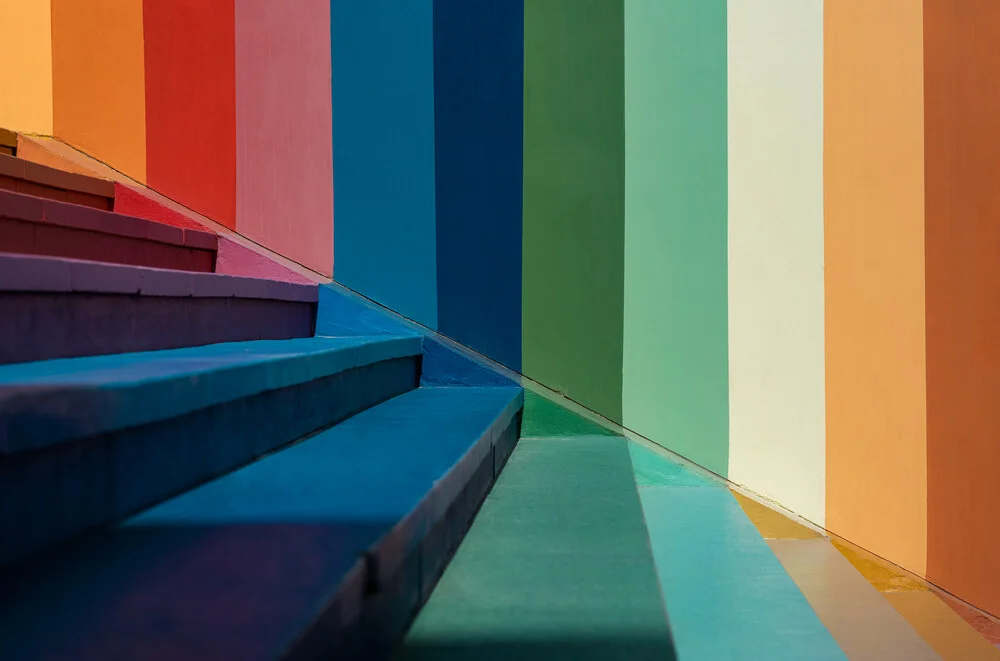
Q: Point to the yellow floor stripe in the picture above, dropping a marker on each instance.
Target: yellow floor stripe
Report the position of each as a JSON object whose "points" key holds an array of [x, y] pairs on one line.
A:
{"points": [[772, 524], [883, 575], [942, 628]]}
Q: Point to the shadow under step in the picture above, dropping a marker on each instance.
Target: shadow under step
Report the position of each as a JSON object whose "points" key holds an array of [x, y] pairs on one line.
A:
{"points": [[322, 550]]}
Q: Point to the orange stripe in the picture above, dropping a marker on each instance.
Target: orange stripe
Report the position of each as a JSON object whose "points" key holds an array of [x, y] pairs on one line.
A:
{"points": [[99, 80], [26, 66], [874, 245], [963, 291]]}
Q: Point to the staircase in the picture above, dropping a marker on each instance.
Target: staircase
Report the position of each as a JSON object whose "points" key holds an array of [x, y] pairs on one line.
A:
{"points": [[201, 466]]}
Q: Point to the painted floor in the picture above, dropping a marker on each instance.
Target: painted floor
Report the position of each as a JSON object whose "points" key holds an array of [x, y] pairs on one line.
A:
{"points": [[594, 546]]}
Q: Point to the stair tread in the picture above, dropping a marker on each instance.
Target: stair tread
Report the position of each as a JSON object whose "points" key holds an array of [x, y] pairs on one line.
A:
{"points": [[47, 402], [31, 209], [242, 566], [20, 168]]}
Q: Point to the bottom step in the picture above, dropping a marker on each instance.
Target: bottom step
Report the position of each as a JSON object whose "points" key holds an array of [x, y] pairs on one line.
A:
{"points": [[322, 550]]}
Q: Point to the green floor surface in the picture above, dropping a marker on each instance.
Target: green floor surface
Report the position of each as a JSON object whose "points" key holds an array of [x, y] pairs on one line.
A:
{"points": [[556, 566], [546, 418]]}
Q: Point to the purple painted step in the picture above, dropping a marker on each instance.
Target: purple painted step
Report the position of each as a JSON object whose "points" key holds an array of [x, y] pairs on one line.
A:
{"points": [[32, 225], [63, 308]]}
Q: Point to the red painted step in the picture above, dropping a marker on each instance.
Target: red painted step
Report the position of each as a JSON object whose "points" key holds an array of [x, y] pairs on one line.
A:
{"points": [[31, 178], [32, 225]]}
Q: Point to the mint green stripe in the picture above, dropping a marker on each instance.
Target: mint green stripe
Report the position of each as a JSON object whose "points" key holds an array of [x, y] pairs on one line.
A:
{"points": [[574, 199], [675, 387]]}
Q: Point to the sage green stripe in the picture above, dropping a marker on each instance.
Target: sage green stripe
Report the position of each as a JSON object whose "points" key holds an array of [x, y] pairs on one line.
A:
{"points": [[574, 178], [676, 383]]}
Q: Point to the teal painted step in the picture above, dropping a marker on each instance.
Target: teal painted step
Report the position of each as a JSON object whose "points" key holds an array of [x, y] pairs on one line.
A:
{"points": [[556, 566], [727, 594], [87, 441], [321, 550]]}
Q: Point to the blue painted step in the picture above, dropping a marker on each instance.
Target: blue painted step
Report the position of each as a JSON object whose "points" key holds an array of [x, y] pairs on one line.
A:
{"points": [[88, 441], [322, 550]]}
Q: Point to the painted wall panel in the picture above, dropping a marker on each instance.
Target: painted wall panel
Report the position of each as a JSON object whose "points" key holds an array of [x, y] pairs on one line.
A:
{"points": [[383, 153], [574, 199], [777, 427], [191, 104], [963, 289], [874, 243], [675, 339], [99, 77], [284, 141], [26, 66], [478, 102]]}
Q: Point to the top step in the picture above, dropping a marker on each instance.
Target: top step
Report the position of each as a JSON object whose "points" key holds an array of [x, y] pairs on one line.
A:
{"points": [[23, 176], [8, 142], [31, 225]]}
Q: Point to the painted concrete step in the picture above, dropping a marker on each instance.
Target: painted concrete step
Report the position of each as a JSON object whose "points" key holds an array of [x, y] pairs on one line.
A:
{"points": [[727, 594], [23, 176], [863, 622], [36, 226], [52, 307], [557, 565], [8, 142], [319, 551], [85, 442]]}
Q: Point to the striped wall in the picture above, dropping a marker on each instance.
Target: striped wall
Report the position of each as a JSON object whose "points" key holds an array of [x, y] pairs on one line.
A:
{"points": [[763, 233], [758, 232], [222, 105]]}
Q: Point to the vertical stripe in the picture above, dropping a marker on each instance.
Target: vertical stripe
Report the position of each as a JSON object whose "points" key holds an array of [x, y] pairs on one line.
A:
{"points": [[191, 104], [874, 243], [478, 103], [284, 144], [963, 297], [675, 386], [383, 153], [574, 199], [98, 73], [26, 66], [777, 428]]}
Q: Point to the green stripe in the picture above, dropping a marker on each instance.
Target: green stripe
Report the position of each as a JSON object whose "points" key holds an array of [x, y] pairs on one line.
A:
{"points": [[543, 417], [556, 566], [574, 204], [676, 384]]}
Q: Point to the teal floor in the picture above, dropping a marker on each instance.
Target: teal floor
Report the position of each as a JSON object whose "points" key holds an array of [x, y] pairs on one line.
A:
{"points": [[592, 546]]}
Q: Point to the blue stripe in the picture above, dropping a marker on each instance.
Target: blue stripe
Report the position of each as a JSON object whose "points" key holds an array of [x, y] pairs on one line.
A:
{"points": [[478, 97], [383, 153]]}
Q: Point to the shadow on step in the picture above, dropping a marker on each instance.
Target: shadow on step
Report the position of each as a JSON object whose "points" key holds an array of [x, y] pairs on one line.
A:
{"points": [[215, 591]]}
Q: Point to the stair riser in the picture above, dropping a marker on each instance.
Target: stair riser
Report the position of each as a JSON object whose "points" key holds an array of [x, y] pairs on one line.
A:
{"points": [[50, 495], [28, 238], [45, 325]]}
